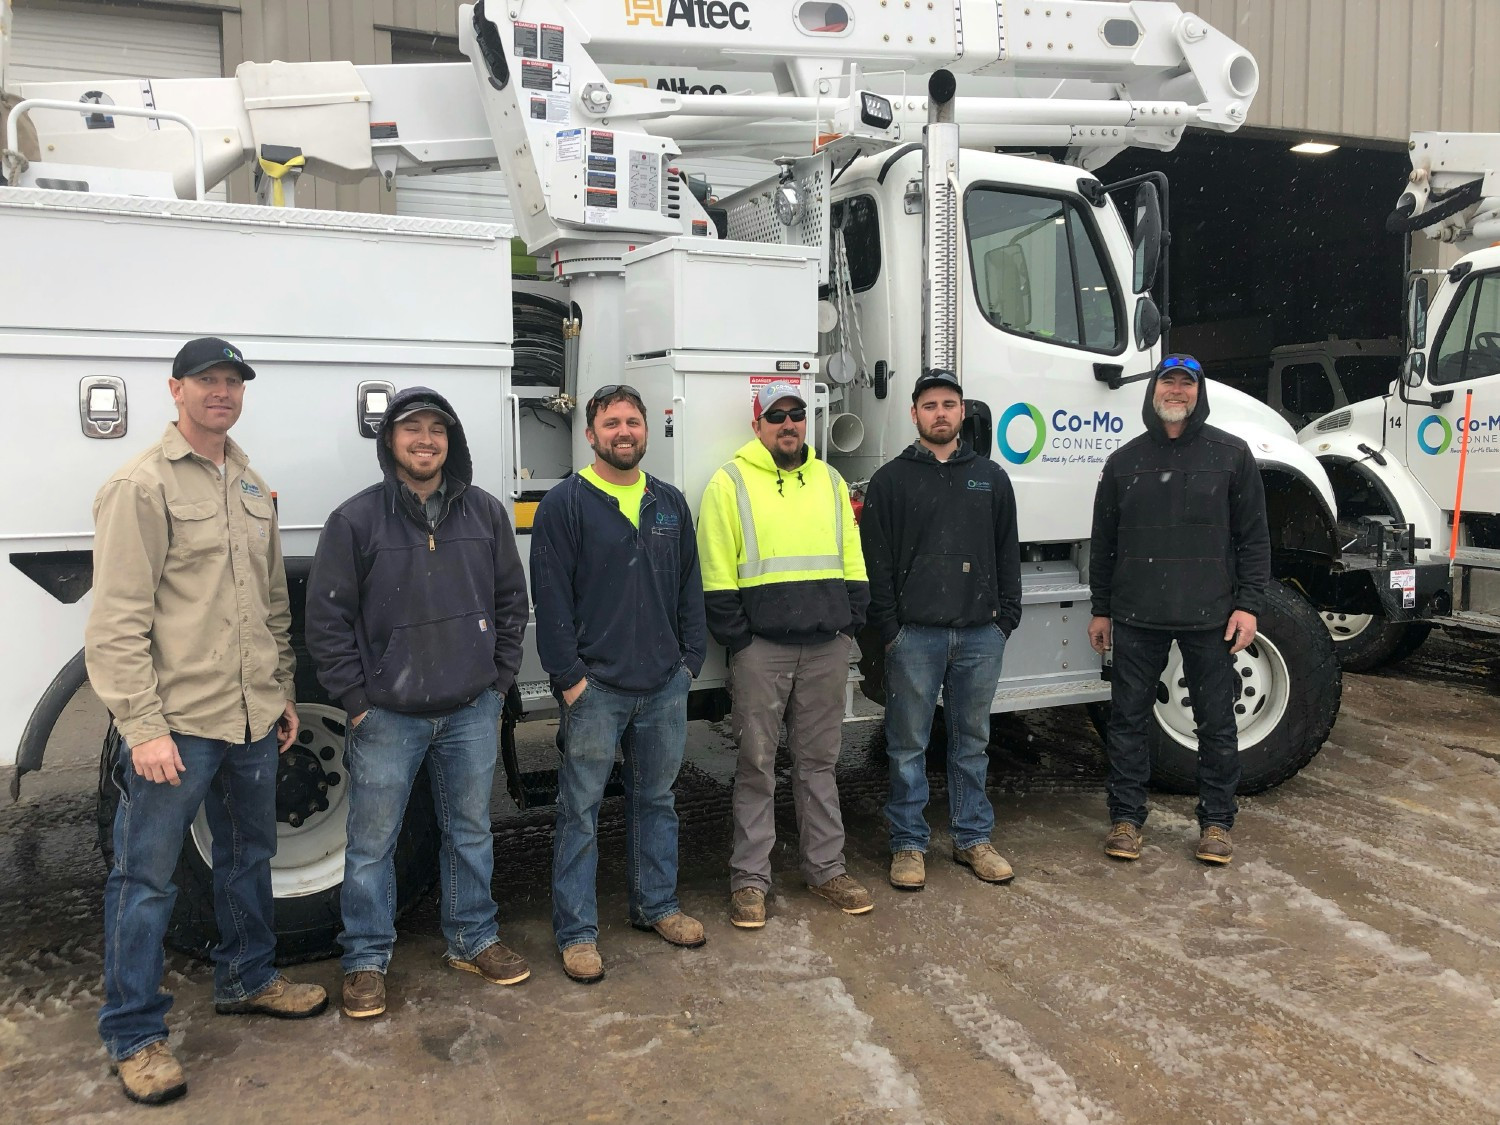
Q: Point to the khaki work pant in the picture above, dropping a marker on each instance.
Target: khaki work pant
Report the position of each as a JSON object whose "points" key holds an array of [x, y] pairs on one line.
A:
{"points": [[805, 684]]}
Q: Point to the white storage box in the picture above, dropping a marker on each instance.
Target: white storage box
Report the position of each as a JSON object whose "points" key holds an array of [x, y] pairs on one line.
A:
{"points": [[696, 294]]}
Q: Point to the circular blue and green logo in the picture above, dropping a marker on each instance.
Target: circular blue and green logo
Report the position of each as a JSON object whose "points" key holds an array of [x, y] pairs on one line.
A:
{"points": [[1424, 444], [1023, 456]]}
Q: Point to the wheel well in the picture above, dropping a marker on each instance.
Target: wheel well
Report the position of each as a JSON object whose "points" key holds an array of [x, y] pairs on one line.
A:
{"points": [[1359, 493], [1300, 523]]}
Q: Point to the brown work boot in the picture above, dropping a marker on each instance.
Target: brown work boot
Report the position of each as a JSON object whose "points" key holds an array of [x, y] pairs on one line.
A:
{"points": [[985, 862], [1215, 846], [908, 871], [281, 999], [845, 893], [496, 964], [151, 1076], [1123, 841], [747, 908], [364, 994], [677, 929], [582, 963]]}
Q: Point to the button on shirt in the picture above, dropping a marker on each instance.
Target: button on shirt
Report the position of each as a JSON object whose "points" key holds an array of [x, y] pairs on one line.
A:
{"points": [[190, 630]]}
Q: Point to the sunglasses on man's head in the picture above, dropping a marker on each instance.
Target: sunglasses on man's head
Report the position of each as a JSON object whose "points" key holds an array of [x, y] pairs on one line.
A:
{"points": [[776, 417], [612, 389], [1182, 361]]}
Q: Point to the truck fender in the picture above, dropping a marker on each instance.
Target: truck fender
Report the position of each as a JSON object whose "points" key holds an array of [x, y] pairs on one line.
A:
{"points": [[44, 717], [1406, 499], [1300, 504]]}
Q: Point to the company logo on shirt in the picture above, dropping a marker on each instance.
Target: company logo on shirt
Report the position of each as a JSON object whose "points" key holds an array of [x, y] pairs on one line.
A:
{"points": [[250, 488], [980, 486], [666, 519]]}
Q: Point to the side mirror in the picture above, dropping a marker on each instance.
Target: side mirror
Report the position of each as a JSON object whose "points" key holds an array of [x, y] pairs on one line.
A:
{"points": [[1146, 242], [1416, 313], [1147, 322], [1415, 370]]}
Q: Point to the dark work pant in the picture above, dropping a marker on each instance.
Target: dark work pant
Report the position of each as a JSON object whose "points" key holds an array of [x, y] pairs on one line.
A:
{"points": [[1140, 657]]}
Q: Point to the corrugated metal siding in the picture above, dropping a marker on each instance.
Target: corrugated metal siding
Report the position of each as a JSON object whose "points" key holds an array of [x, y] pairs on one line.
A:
{"points": [[59, 46], [1368, 68]]}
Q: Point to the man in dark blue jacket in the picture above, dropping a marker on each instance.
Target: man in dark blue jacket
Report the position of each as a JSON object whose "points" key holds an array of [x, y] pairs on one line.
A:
{"points": [[939, 532], [1180, 552], [416, 608], [620, 629]]}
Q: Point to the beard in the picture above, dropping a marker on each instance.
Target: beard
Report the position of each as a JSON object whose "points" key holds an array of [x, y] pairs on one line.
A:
{"points": [[1170, 412], [941, 433], [787, 461], [623, 457]]}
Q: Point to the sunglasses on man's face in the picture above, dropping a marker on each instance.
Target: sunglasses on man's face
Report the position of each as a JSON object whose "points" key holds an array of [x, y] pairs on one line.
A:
{"points": [[776, 417]]}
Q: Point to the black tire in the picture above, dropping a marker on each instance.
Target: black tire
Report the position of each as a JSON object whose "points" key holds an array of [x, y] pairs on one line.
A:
{"points": [[1312, 704], [1378, 643], [307, 926]]}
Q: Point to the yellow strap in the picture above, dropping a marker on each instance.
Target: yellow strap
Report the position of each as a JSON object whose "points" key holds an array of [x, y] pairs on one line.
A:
{"points": [[276, 171]]}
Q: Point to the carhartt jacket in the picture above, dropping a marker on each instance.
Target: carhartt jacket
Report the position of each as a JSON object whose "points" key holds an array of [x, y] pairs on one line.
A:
{"points": [[413, 615], [614, 602], [940, 543], [190, 630], [780, 552], [1180, 536]]}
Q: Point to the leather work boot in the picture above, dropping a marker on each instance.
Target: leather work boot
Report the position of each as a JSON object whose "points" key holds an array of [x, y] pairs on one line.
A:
{"points": [[985, 862], [747, 908], [582, 963], [281, 999], [908, 871], [677, 929], [1215, 846], [364, 994], [496, 964], [1123, 841], [151, 1076], [846, 893]]}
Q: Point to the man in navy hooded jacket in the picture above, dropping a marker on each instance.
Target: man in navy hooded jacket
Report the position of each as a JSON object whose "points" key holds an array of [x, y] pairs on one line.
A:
{"points": [[415, 611], [1180, 552]]}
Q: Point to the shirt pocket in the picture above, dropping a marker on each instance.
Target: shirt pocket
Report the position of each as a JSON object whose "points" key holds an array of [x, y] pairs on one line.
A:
{"points": [[195, 531], [259, 519], [663, 544], [1203, 499]]}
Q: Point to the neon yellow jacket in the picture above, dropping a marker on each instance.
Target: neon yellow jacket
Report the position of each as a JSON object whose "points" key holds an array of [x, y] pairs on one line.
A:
{"points": [[780, 552]]}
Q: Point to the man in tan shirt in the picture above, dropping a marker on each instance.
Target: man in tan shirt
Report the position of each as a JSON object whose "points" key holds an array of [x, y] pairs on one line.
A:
{"points": [[188, 645]]}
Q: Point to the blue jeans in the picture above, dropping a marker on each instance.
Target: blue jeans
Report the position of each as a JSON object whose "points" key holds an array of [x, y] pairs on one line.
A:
{"points": [[384, 754], [236, 785], [964, 665], [1140, 657], [651, 728]]}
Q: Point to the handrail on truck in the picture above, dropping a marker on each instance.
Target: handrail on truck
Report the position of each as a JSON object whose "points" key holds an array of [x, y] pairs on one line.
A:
{"points": [[13, 133]]}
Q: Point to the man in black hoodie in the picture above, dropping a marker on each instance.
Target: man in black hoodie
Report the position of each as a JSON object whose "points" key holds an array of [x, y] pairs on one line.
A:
{"points": [[939, 533], [1180, 552], [416, 607]]}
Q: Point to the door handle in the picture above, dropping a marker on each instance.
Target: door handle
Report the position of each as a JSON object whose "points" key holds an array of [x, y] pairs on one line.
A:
{"points": [[102, 407]]}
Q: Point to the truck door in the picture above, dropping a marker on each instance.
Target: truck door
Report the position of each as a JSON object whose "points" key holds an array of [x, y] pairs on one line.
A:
{"points": [[1050, 310], [1465, 356]]}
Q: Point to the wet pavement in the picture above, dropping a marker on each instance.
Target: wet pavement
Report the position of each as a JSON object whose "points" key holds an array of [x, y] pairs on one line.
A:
{"points": [[1346, 967]]}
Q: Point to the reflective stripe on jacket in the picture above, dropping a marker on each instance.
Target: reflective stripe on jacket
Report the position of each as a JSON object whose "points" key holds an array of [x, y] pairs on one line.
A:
{"points": [[780, 552], [190, 626]]}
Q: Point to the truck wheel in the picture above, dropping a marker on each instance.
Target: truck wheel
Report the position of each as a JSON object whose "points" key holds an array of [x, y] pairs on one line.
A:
{"points": [[307, 871], [1364, 641], [1290, 685]]}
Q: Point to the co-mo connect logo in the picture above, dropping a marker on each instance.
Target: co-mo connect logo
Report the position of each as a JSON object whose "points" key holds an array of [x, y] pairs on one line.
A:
{"points": [[1038, 428], [1434, 434], [718, 15], [1075, 436]]}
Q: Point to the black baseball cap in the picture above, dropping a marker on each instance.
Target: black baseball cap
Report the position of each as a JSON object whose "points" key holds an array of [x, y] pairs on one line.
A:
{"points": [[209, 351], [424, 406], [937, 377]]}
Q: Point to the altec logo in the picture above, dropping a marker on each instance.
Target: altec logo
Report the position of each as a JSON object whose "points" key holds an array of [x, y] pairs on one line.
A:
{"points": [[715, 15], [1425, 434]]}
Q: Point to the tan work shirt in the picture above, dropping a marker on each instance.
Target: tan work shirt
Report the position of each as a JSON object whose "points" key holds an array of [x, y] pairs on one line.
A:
{"points": [[190, 630]]}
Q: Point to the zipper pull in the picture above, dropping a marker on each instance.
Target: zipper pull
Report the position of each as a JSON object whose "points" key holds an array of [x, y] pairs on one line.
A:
{"points": [[431, 542]]}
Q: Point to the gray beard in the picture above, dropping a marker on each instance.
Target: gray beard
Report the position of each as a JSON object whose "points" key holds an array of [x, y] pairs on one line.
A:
{"points": [[1171, 413]]}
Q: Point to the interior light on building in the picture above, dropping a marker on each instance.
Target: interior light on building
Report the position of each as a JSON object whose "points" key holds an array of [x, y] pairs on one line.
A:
{"points": [[1314, 148]]}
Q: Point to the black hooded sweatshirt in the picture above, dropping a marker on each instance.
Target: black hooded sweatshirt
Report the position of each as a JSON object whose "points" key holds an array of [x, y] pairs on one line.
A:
{"points": [[940, 543], [414, 615], [1180, 537]]}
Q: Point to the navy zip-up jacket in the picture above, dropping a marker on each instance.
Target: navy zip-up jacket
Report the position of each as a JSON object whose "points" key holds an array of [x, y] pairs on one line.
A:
{"points": [[1180, 537], [615, 603], [940, 543], [414, 615]]}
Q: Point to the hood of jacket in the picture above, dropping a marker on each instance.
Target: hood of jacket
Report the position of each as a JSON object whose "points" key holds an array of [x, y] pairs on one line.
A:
{"points": [[1195, 421], [758, 457], [459, 465], [919, 453]]}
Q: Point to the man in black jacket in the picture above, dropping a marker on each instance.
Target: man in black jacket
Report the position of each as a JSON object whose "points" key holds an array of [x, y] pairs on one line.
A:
{"points": [[1180, 552], [939, 533], [415, 611], [620, 630]]}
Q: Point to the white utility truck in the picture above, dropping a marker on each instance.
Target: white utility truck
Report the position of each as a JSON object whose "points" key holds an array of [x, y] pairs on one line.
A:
{"points": [[879, 250], [1412, 464]]}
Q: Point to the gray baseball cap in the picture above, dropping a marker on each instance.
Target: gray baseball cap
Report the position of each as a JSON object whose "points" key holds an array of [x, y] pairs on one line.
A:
{"points": [[772, 392]]}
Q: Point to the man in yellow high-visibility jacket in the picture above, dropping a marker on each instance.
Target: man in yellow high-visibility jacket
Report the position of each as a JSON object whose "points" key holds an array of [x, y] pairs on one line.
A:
{"points": [[785, 591]]}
